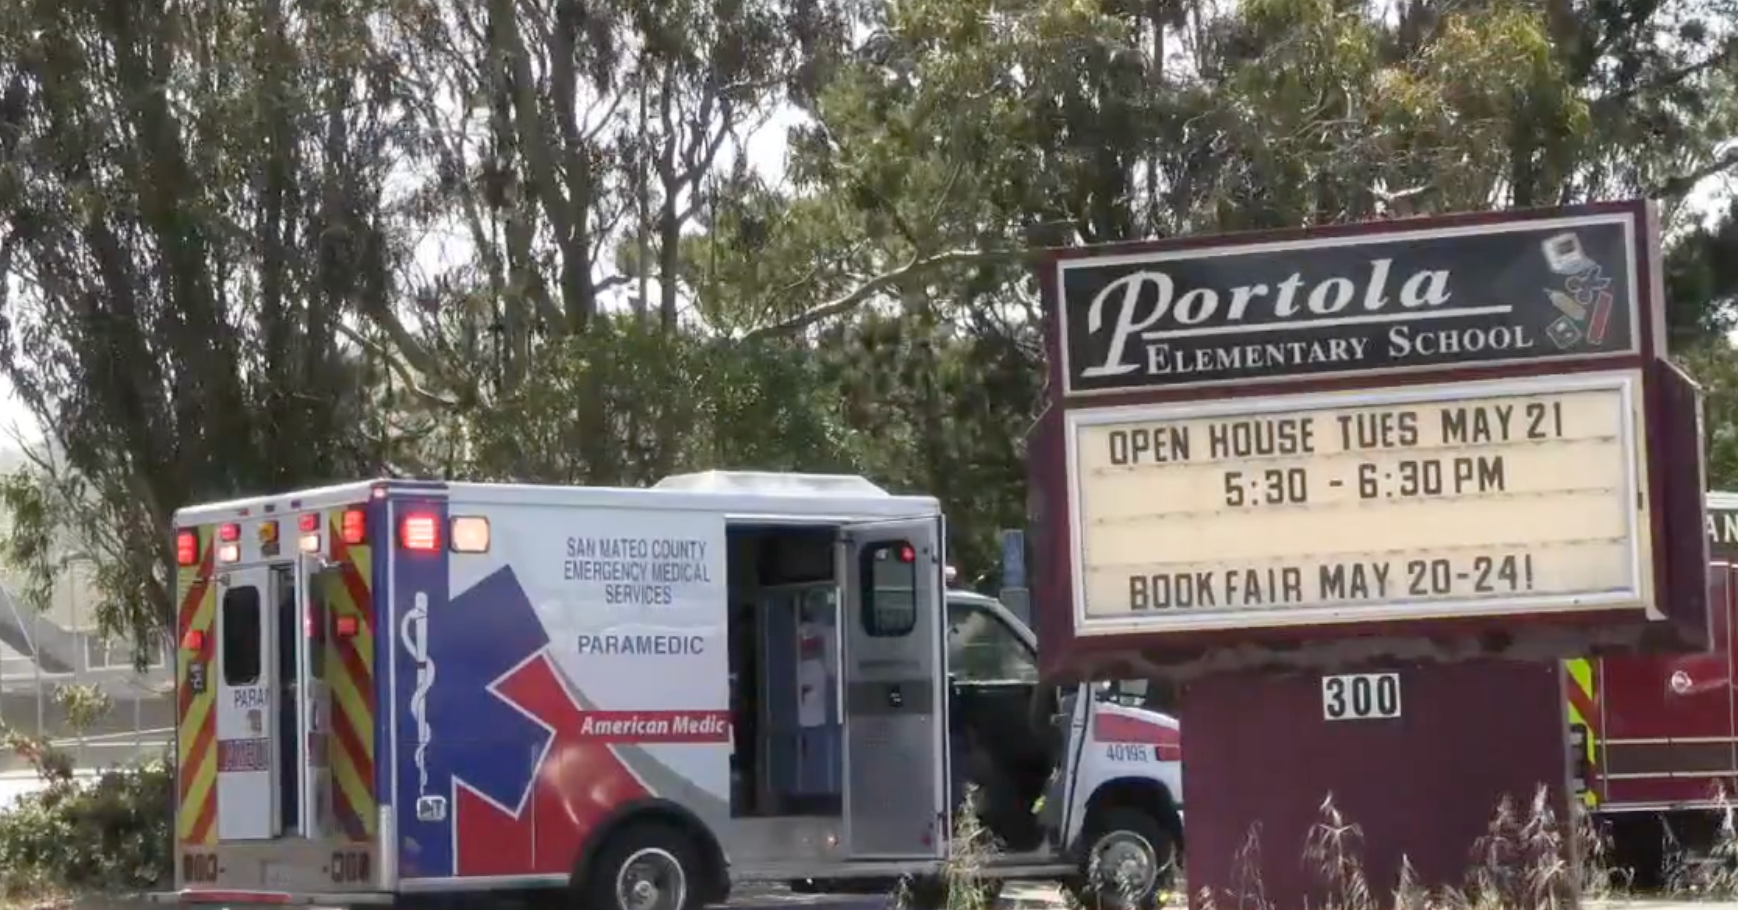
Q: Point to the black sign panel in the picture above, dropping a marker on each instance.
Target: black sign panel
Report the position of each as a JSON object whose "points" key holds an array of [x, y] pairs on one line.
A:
{"points": [[1411, 297]]}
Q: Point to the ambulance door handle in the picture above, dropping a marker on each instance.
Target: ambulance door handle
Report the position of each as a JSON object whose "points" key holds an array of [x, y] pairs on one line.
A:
{"points": [[895, 697]]}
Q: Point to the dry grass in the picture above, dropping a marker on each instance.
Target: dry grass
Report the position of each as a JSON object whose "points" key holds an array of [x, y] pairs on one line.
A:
{"points": [[1712, 875], [1524, 861]]}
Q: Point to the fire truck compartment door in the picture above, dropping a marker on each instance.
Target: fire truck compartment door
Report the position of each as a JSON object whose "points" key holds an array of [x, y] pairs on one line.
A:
{"points": [[1668, 726], [894, 698]]}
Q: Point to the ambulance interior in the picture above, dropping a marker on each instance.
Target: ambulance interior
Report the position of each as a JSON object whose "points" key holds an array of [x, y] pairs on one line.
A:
{"points": [[784, 661]]}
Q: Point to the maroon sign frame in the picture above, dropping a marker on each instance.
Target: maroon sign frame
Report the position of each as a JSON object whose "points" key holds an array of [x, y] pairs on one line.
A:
{"points": [[1121, 319]]}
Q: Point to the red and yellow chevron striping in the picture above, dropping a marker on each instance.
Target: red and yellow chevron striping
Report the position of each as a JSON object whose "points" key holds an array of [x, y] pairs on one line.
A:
{"points": [[352, 685], [196, 717], [1583, 703]]}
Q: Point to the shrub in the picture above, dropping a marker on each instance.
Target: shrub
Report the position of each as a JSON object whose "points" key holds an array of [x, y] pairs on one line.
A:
{"points": [[105, 833]]}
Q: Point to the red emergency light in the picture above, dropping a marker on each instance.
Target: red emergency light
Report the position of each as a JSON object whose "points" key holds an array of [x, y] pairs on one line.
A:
{"points": [[345, 626], [186, 548], [907, 554], [353, 527], [229, 533], [308, 521], [193, 641], [419, 531]]}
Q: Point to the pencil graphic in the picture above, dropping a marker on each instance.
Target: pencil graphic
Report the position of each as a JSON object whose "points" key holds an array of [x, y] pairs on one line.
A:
{"points": [[1601, 319]]}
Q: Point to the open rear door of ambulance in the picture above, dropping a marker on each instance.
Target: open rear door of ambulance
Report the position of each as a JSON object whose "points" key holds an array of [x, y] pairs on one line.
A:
{"points": [[894, 700], [275, 724], [337, 687]]}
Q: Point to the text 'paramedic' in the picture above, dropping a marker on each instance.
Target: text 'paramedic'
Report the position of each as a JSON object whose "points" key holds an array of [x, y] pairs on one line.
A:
{"points": [[646, 645]]}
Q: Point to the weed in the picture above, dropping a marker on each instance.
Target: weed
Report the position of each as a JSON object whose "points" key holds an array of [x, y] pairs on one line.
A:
{"points": [[1712, 875], [1524, 860], [962, 883]]}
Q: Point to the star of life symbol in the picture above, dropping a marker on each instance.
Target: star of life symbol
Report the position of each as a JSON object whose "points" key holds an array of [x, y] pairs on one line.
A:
{"points": [[413, 632]]}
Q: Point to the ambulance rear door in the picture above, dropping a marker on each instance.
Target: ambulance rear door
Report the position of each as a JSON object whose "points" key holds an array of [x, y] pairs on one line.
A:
{"points": [[250, 755], [894, 692]]}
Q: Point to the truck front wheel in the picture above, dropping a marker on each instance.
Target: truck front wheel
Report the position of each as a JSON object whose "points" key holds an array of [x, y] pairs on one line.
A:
{"points": [[1128, 864]]}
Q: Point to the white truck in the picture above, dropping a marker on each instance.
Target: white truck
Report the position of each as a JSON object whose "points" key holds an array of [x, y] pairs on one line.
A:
{"points": [[626, 698]]}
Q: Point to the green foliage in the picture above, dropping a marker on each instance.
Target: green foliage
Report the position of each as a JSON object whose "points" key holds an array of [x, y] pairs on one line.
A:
{"points": [[111, 832], [1714, 365], [267, 244], [740, 404]]}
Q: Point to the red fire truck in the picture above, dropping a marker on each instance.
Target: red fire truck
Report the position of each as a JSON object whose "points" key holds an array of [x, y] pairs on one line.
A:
{"points": [[1656, 736]]}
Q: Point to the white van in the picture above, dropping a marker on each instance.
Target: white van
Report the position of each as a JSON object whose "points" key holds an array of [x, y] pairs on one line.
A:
{"points": [[625, 698]]}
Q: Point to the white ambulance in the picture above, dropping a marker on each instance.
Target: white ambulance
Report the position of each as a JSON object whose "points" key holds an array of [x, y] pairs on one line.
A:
{"points": [[626, 698]]}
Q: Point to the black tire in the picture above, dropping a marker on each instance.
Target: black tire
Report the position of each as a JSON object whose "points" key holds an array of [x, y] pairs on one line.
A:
{"points": [[1123, 828], [662, 855]]}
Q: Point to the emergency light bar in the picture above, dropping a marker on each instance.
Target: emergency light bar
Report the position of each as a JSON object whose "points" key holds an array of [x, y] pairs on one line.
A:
{"points": [[419, 531], [353, 527], [186, 548]]}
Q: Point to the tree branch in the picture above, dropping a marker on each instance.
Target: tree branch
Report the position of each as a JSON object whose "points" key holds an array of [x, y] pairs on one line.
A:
{"points": [[862, 292], [396, 365], [1683, 184]]}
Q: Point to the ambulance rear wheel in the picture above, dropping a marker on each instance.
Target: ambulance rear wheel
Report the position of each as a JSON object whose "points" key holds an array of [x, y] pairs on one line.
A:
{"points": [[1129, 862], [645, 867]]}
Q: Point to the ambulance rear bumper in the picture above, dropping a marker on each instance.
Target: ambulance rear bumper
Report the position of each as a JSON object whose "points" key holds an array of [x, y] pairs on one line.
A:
{"points": [[230, 897]]}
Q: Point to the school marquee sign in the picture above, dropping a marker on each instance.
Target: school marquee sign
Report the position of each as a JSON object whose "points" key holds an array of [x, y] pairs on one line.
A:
{"points": [[1434, 420]]}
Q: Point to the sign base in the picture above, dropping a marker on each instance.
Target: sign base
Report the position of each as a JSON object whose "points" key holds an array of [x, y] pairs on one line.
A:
{"points": [[1422, 787]]}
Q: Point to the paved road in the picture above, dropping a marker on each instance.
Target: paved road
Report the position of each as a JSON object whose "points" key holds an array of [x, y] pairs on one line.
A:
{"points": [[1647, 903], [1035, 896], [1016, 896]]}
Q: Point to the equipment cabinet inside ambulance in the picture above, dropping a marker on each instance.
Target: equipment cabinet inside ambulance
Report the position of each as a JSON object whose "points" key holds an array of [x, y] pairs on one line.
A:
{"points": [[397, 691]]}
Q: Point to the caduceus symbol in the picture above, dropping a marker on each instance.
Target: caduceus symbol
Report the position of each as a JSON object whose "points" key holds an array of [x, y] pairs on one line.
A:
{"points": [[413, 631]]}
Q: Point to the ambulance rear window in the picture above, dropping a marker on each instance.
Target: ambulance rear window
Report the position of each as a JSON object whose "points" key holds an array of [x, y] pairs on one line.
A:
{"points": [[241, 636], [888, 577]]}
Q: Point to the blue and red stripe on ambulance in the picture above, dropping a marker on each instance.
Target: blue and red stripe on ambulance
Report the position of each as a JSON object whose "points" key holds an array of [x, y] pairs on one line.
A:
{"points": [[502, 768]]}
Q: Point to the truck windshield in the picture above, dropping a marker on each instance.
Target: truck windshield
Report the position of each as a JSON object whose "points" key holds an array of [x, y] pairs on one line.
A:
{"points": [[1139, 693], [981, 648]]}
